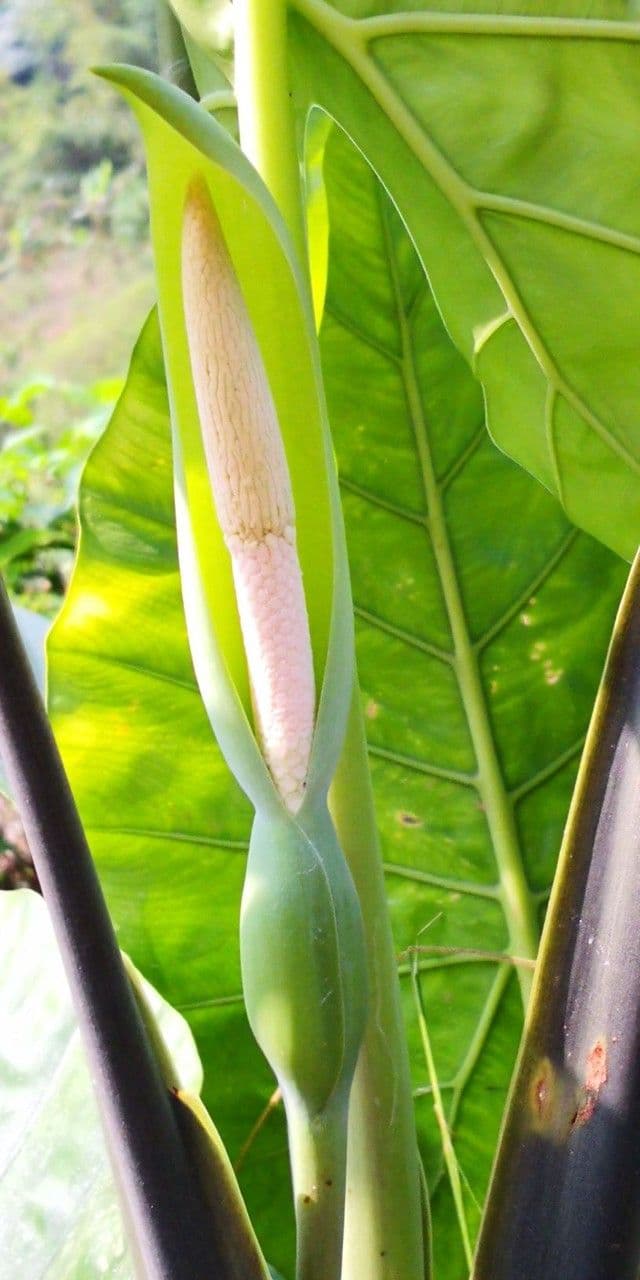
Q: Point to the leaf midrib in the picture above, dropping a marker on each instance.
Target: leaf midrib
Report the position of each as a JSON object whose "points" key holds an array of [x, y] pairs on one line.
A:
{"points": [[500, 24], [515, 895], [350, 39]]}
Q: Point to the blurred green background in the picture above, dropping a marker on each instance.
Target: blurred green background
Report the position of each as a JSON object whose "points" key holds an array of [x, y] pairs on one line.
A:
{"points": [[75, 283], [75, 266]]}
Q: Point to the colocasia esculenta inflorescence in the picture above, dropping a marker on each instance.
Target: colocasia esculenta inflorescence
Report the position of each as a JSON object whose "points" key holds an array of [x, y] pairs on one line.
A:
{"points": [[253, 497]]}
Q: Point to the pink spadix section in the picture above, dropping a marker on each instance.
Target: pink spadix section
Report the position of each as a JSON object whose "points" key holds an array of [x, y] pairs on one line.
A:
{"points": [[252, 493], [274, 625]]}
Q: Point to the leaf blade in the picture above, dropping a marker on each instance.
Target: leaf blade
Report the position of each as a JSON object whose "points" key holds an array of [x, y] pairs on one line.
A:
{"points": [[464, 164], [507, 541]]}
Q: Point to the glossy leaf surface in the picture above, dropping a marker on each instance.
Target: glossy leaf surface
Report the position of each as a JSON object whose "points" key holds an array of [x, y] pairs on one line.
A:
{"points": [[482, 621], [59, 1215], [506, 134], [533, 602]]}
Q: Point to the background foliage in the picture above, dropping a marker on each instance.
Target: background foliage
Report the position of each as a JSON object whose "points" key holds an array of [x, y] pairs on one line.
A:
{"points": [[74, 268]]}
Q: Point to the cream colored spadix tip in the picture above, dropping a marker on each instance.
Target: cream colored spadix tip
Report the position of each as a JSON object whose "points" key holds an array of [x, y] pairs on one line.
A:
{"points": [[252, 493]]}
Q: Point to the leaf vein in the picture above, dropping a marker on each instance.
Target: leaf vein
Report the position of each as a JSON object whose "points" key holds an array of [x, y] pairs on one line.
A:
{"points": [[405, 637], [548, 771], [463, 458], [361, 335], [479, 1039], [110, 660], [367, 495], [534, 585], [179, 837], [550, 431], [420, 766], [483, 24], [449, 883]]}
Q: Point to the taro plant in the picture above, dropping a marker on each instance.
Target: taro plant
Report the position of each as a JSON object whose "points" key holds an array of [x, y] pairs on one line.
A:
{"points": [[378, 230], [39, 477]]}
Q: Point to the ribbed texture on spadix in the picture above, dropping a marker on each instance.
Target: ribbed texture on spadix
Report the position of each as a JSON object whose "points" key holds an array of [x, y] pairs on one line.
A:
{"points": [[253, 498]]}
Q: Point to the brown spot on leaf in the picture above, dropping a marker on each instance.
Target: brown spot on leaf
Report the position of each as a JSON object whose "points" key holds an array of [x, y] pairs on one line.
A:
{"points": [[585, 1110], [541, 1091], [408, 819], [596, 1074], [595, 1078], [372, 709]]}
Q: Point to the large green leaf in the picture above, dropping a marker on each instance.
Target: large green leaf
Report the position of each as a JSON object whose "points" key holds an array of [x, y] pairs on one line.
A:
{"points": [[507, 699], [507, 135], [482, 622], [59, 1215]]}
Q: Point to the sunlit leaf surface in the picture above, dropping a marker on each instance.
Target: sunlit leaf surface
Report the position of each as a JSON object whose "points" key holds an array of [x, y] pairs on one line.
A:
{"points": [[507, 135]]}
